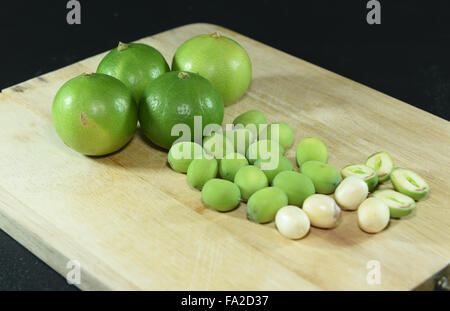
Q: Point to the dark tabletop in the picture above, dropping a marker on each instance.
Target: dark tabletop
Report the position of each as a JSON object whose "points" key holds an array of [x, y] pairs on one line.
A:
{"points": [[406, 56]]}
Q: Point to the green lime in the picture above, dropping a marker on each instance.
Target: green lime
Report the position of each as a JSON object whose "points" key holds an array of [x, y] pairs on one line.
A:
{"points": [[171, 102], [219, 59], [135, 64], [94, 114]]}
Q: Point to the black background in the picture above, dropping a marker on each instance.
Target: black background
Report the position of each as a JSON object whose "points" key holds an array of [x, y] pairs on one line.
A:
{"points": [[407, 56]]}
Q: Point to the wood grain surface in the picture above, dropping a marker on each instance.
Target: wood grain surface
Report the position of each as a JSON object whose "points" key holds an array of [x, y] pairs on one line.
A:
{"points": [[133, 223]]}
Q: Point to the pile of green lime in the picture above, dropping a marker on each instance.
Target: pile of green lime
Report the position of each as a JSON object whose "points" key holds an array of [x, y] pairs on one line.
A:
{"points": [[97, 114]]}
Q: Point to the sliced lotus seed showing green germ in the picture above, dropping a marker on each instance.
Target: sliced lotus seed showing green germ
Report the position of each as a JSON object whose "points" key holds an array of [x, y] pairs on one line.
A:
{"points": [[263, 149], [241, 138], [264, 204], [399, 204], [280, 132], [382, 163], [218, 145], [182, 154], [254, 120], [325, 177], [230, 165], [410, 183], [221, 195], [362, 171], [311, 148], [297, 186], [200, 171], [250, 179], [274, 165]]}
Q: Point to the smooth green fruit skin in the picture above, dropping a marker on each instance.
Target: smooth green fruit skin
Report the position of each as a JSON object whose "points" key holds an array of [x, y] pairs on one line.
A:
{"points": [[94, 114], [395, 212], [283, 165], [241, 139], [297, 186], [218, 145], [325, 177], [181, 165], [219, 59], [254, 153], [311, 148], [171, 100], [230, 165], [264, 204], [371, 182], [136, 66], [412, 194], [200, 171], [387, 176], [221, 195], [285, 134], [250, 179], [249, 118]]}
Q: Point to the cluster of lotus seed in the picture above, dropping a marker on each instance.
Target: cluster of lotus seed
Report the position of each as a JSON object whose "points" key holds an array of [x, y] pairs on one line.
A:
{"points": [[312, 196]]}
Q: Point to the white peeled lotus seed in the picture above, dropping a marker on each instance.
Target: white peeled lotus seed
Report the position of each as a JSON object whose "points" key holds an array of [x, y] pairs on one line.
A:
{"points": [[322, 210], [292, 222], [351, 192], [373, 215]]}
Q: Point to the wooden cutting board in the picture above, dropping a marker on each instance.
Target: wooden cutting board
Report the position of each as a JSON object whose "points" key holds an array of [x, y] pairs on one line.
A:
{"points": [[133, 223]]}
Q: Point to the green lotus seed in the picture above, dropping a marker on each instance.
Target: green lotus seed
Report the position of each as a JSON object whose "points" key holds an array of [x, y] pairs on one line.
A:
{"points": [[218, 145], [241, 138], [221, 195], [283, 135], [382, 163], [297, 186], [250, 179], [264, 204], [325, 177], [263, 149], [410, 183], [399, 204], [200, 171], [230, 165], [362, 171], [182, 154], [274, 165], [254, 120], [311, 148]]}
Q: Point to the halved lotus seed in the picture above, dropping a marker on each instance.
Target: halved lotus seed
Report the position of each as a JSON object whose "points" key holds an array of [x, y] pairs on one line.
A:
{"points": [[382, 163], [250, 179], [200, 171], [254, 120], [263, 149], [230, 165], [218, 145], [274, 165], [325, 177], [292, 222], [311, 148], [322, 211], [280, 132], [351, 192], [297, 186], [221, 195], [362, 171], [410, 183], [182, 154], [399, 204], [264, 204], [373, 215]]}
